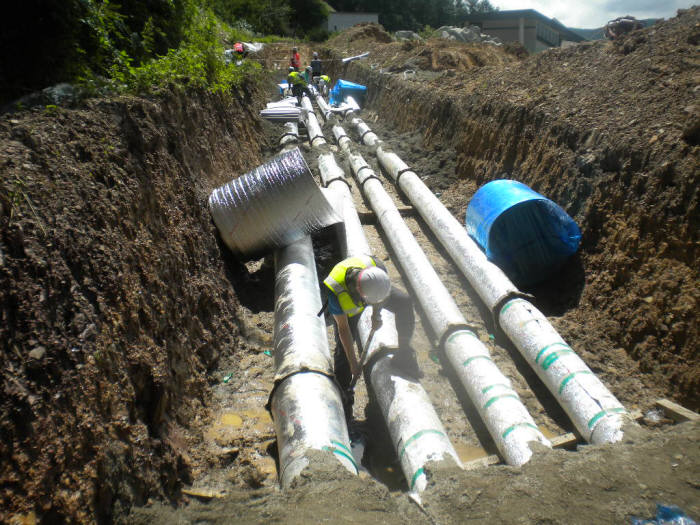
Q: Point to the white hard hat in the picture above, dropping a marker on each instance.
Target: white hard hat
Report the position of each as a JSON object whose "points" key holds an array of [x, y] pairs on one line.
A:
{"points": [[373, 285]]}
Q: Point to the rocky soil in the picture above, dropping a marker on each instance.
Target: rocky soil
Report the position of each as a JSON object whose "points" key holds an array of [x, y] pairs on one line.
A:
{"points": [[134, 349]]}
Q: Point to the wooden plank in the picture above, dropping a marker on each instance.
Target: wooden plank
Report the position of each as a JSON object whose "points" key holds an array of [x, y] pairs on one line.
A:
{"points": [[205, 494], [676, 412], [370, 216], [565, 440], [493, 459]]}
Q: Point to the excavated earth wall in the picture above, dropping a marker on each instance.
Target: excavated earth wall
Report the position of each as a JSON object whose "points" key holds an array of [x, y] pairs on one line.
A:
{"points": [[607, 130], [116, 298]]}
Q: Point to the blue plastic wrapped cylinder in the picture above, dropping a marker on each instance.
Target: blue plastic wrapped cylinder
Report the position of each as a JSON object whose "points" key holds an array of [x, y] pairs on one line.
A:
{"points": [[527, 235], [343, 88]]}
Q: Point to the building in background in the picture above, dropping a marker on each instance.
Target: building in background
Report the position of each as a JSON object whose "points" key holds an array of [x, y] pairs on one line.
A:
{"points": [[533, 30], [338, 21]]}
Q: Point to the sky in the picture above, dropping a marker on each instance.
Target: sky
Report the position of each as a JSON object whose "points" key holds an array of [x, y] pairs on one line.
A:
{"points": [[595, 13]]}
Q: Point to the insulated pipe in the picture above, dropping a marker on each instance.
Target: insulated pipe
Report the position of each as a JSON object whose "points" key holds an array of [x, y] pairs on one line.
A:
{"points": [[414, 426], [488, 280], [290, 137], [305, 403], [308, 415], [506, 418], [323, 106], [316, 138], [594, 410]]}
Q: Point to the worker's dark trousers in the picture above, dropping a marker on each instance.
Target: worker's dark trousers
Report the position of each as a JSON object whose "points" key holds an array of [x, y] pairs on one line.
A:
{"points": [[398, 302], [298, 91]]}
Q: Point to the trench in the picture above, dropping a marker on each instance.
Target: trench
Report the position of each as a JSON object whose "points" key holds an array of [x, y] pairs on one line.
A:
{"points": [[241, 412]]}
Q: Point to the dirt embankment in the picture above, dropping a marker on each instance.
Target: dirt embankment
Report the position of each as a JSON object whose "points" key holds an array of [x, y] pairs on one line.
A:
{"points": [[609, 131], [115, 296]]}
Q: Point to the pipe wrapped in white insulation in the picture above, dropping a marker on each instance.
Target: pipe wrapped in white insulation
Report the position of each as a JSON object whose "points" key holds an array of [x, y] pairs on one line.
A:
{"points": [[290, 136], [415, 429], [308, 415], [272, 206], [594, 410], [491, 392], [470, 358], [300, 334], [312, 126], [488, 280]]}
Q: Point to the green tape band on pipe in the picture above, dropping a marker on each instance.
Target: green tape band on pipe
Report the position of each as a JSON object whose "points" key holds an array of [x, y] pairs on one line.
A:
{"points": [[458, 332], [416, 436], [486, 389], [476, 357], [415, 476], [511, 428], [343, 454], [511, 303], [551, 358], [339, 444], [548, 347], [496, 398], [604, 413], [568, 378]]}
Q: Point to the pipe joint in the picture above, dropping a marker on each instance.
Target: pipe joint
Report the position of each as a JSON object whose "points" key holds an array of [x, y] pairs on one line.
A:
{"points": [[401, 172], [451, 329], [502, 301]]}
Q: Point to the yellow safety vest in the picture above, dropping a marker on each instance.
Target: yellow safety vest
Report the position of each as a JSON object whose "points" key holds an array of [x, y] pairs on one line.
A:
{"points": [[326, 79], [295, 78], [336, 283]]}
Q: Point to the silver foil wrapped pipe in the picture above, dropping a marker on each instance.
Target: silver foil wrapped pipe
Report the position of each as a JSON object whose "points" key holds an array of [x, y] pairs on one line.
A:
{"points": [[508, 421], [272, 206], [305, 403], [594, 410], [300, 341]]}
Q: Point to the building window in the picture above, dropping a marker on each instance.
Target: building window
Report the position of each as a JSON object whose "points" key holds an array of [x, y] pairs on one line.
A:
{"points": [[547, 35]]}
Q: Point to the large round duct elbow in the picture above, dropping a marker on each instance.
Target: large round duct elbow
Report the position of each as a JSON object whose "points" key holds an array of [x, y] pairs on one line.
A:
{"points": [[270, 207]]}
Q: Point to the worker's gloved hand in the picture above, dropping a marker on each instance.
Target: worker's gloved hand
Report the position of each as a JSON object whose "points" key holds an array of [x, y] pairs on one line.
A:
{"points": [[376, 322]]}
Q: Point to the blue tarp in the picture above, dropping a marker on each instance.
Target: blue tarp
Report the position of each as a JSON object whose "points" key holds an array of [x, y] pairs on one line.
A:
{"points": [[343, 88], [521, 231]]}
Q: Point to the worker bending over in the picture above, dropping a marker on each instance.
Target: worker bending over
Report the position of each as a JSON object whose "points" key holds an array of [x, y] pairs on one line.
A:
{"points": [[298, 85], [352, 284]]}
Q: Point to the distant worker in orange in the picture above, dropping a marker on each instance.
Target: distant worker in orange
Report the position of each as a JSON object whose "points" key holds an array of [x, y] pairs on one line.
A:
{"points": [[295, 60]]}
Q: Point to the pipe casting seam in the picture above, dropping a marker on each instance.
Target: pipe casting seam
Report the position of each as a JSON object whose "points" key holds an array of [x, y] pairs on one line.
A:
{"points": [[585, 392], [447, 323]]}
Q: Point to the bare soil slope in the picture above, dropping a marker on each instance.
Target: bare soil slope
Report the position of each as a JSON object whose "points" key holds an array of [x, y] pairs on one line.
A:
{"points": [[115, 296]]}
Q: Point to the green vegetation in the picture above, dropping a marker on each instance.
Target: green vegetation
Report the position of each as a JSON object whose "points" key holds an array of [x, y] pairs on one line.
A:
{"points": [[137, 45]]}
